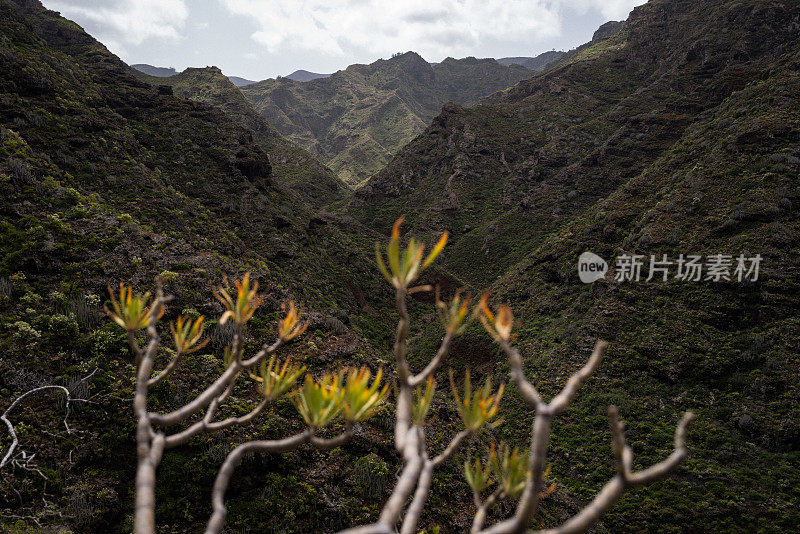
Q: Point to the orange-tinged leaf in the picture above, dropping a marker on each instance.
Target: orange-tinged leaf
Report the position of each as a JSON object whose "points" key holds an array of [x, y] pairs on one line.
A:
{"points": [[396, 227], [381, 264], [436, 250], [504, 322], [484, 306]]}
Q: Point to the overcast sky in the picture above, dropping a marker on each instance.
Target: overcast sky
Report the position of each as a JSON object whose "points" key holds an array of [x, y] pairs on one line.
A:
{"points": [[259, 39]]}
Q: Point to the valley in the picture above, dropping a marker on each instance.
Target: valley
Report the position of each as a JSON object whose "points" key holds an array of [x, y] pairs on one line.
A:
{"points": [[674, 132]]}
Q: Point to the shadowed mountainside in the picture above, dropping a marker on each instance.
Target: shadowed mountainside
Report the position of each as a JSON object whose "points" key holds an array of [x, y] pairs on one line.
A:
{"points": [[104, 178], [678, 134], [292, 165]]}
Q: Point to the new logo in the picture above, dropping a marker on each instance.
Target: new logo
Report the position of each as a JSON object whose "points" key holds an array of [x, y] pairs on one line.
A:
{"points": [[591, 267]]}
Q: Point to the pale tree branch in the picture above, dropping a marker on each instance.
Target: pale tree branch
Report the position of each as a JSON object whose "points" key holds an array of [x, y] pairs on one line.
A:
{"points": [[420, 496], [483, 508], [540, 435], [10, 426], [173, 363], [451, 448], [12, 433], [403, 409], [214, 390], [217, 520], [623, 456], [424, 481], [147, 454], [407, 481], [526, 389], [614, 488], [441, 354], [575, 381], [205, 425]]}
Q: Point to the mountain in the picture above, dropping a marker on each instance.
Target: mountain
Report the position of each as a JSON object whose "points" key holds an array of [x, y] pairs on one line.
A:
{"points": [[291, 165], [240, 82], [356, 119], [537, 63], [163, 72], [154, 71], [678, 134], [103, 179], [675, 132], [305, 76]]}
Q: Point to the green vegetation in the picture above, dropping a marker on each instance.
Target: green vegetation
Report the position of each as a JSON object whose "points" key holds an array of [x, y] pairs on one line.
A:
{"points": [[677, 134], [292, 166], [666, 138]]}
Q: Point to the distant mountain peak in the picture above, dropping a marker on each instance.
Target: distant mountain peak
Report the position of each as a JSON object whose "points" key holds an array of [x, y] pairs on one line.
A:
{"points": [[240, 82], [305, 76], [161, 72], [359, 117]]}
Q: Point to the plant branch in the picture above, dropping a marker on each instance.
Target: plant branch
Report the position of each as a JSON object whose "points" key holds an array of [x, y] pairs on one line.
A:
{"points": [[441, 354], [217, 520], [483, 508], [624, 479], [214, 390], [206, 425]]}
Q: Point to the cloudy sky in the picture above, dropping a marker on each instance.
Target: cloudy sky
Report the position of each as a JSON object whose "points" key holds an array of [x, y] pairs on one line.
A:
{"points": [[259, 39]]}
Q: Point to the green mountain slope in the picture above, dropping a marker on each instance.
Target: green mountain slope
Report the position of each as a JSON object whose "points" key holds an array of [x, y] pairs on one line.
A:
{"points": [[103, 179], [679, 134], [356, 119], [292, 165]]}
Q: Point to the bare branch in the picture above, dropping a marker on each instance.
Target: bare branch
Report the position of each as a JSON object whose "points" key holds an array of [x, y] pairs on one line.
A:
{"points": [[664, 467], [407, 481], [217, 520], [205, 425], [173, 363], [451, 448], [418, 502], [403, 410], [526, 389], [576, 380], [12, 433], [624, 479], [483, 508], [374, 528], [215, 389], [144, 514], [540, 436], [441, 354]]}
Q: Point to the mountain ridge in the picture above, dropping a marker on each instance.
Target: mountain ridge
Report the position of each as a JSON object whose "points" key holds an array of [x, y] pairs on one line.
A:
{"points": [[357, 118], [293, 166]]}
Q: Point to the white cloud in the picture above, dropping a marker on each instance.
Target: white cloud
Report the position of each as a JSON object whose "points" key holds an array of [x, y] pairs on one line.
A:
{"points": [[121, 23], [611, 9], [434, 28]]}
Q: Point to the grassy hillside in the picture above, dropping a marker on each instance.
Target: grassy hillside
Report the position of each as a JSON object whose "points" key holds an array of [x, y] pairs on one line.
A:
{"points": [[103, 179], [678, 134], [356, 119], [291, 165]]}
